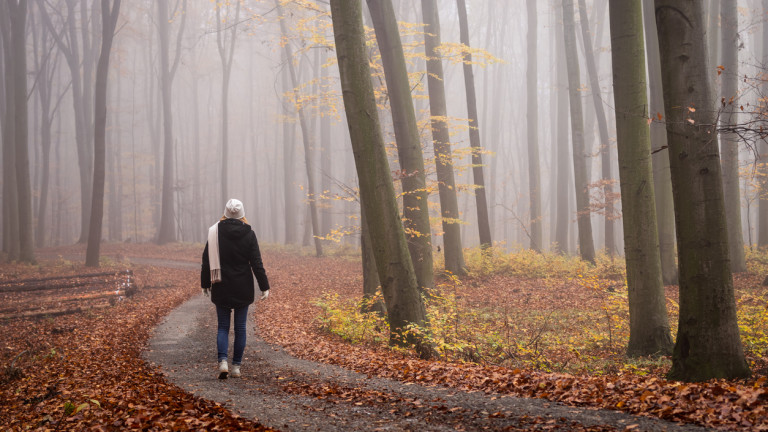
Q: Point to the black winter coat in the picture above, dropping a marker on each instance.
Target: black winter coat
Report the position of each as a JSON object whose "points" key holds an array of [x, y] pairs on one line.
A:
{"points": [[239, 255]]}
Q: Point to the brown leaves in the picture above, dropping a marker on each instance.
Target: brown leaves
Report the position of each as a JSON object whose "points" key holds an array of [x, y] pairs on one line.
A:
{"points": [[84, 371], [713, 404]]}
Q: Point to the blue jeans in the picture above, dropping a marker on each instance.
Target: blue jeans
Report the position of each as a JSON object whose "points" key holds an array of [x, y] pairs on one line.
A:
{"points": [[222, 337]]}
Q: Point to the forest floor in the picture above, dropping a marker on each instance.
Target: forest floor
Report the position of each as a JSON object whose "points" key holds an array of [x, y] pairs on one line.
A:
{"points": [[86, 369]]}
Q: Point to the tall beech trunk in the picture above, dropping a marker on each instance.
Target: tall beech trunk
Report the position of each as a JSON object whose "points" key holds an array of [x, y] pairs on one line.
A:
{"points": [[413, 178], [481, 202], [729, 32], [586, 243], [289, 154], [649, 332], [563, 171], [306, 136], [109, 15], [10, 191], [398, 279], [449, 206], [762, 146], [707, 344], [532, 112], [226, 55], [602, 126], [662, 183], [18, 15]]}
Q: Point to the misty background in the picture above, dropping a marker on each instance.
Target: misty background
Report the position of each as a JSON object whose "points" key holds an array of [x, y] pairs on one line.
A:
{"points": [[251, 104]]}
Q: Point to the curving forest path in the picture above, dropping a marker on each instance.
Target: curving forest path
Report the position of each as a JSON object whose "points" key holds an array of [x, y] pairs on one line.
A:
{"points": [[286, 393]]}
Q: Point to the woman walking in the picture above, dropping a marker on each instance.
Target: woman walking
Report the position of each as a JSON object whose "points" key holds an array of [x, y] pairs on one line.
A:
{"points": [[230, 260]]}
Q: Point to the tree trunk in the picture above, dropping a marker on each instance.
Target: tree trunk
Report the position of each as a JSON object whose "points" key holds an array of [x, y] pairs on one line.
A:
{"points": [[762, 146], [707, 344], [398, 279], [662, 183], [326, 159], [481, 203], [532, 112], [649, 332], [10, 191], [109, 17], [413, 178], [289, 154], [563, 171], [370, 273], [586, 243], [729, 24], [449, 207], [226, 54], [602, 125], [18, 14]]}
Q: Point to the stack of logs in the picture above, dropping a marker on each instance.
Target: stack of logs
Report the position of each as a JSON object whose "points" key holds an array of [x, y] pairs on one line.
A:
{"points": [[61, 295]]}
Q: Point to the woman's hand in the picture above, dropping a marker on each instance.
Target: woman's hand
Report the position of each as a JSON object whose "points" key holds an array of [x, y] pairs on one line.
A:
{"points": [[264, 295]]}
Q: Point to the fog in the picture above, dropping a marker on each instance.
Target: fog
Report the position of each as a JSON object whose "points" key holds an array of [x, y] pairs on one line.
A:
{"points": [[235, 129]]}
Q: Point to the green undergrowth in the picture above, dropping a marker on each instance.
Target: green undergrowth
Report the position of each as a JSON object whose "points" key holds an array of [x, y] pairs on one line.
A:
{"points": [[577, 321]]}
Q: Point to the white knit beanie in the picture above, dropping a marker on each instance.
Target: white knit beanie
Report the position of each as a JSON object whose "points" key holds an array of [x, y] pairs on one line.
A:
{"points": [[234, 209]]}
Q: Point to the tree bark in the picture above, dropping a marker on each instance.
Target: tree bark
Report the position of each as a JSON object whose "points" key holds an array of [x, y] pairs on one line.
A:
{"points": [[586, 243], [481, 202], [398, 279], [532, 108], [563, 171], [109, 15], [289, 154], [762, 146], [226, 55], [413, 178], [649, 332], [602, 125], [370, 273], [10, 191], [449, 206], [662, 183], [729, 32], [707, 344], [18, 9], [306, 136]]}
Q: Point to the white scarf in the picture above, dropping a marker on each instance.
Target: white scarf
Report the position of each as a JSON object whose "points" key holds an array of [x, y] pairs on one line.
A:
{"points": [[213, 253]]}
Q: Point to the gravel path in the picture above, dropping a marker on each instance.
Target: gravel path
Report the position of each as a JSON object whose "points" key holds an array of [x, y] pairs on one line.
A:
{"points": [[291, 394]]}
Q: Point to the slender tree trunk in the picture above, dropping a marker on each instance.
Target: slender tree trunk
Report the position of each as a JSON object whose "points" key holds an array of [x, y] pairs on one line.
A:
{"points": [[289, 133], [226, 55], [308, 144], [602, 125], [413, 178], [649, 332], [730, 141], [449, 206], [398, 279], [109, 17], [481, 203], [325, 158], [10, 190], [762, 218], [707, 344], [167, 231], [18, 9], [586, 243], [563, 171], [532, 108], [662, 183]]}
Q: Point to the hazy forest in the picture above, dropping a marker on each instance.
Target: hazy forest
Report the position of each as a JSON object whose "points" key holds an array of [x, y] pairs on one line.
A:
{"points": [[555, 199]]}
